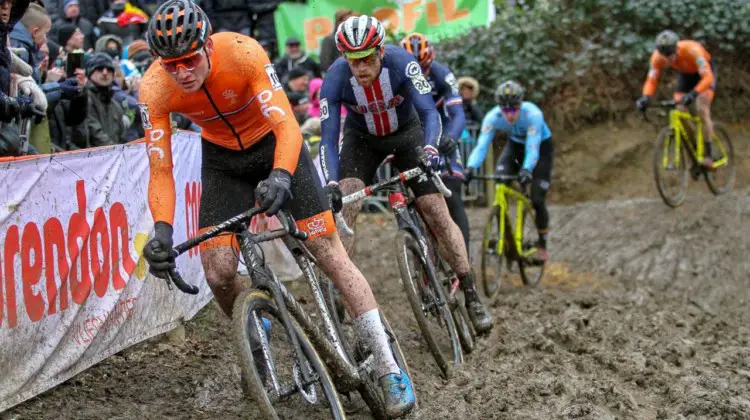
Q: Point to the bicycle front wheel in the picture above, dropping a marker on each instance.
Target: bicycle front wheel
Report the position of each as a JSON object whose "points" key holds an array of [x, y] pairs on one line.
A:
{"points": [[670, 169], [271, 373], [721, 179], [428, 303], [493, 259]]}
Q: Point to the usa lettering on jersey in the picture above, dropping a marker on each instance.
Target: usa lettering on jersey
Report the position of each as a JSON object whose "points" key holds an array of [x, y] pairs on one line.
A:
{"points": [[273, 77]]}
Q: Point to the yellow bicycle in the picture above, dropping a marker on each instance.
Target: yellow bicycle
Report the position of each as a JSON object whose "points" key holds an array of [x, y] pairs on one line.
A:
{"points": [[505, 241], [677, 142]]}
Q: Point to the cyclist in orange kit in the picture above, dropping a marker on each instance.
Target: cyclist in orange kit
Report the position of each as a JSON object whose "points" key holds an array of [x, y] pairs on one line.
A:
{"points": [[696, 81], [225, 84]]}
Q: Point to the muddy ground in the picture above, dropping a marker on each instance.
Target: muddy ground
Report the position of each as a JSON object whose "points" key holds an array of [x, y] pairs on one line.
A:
{"points": [[643, 314]]}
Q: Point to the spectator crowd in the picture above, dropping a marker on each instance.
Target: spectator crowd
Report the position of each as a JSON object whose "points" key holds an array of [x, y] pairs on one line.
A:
{"points": [[71, 70]]}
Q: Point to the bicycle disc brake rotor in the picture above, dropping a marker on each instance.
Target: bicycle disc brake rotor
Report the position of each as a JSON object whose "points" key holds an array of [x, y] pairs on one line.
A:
{"points": [[309, 394]]}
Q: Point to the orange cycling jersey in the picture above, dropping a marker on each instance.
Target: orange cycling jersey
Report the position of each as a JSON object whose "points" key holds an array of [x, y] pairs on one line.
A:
{"points": [[691, 58], [239, 103]]}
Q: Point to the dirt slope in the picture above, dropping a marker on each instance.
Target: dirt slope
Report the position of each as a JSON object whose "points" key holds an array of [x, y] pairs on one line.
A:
{"points": [[643, 315]]}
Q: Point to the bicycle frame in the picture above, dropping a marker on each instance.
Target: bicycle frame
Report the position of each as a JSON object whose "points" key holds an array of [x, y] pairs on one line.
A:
{"points": [[697, 151], [523, 204], [404, 209], [327, 344]]}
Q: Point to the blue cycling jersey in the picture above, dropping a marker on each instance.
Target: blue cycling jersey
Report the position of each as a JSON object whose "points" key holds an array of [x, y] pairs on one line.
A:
{"points": [[379, 109], [530, 129]]}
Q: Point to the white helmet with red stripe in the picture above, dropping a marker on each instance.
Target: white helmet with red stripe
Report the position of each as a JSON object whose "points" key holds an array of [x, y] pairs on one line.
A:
{"points": [[358, 36]]}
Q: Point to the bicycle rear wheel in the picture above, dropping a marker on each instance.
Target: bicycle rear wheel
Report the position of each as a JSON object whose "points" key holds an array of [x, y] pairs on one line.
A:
{"points": [[670, 169], [493, 259], [427, 299], [721, 180], [271, 373]]}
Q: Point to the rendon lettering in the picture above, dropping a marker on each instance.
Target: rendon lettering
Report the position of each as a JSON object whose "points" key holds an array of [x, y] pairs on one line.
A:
{"points": [[90, 257]]}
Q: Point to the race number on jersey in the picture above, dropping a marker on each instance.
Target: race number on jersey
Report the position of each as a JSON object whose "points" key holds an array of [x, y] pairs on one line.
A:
{"points": [[273, 77], [145, 119], [421, 84], [323, 109]]}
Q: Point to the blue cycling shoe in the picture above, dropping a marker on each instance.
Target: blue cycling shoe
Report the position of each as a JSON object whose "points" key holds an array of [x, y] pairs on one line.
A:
{"points": [[399, 394]]}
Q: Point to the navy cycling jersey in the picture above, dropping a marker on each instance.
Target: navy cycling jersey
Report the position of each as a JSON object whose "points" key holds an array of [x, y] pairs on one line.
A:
{"points": [[450, 106], [379, 109], [447, 99], [530, 129]]}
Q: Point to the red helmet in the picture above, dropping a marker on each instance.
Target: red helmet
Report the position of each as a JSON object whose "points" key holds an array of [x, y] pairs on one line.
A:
{"points": [[358, 36]]}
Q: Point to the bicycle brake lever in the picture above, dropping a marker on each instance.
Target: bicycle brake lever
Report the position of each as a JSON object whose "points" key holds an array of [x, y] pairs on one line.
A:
{"points": [[342, 226], [288, 223]]}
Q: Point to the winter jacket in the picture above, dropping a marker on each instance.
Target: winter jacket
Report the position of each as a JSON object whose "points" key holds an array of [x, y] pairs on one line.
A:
{"points": [[16, 12], [104, 120], [235, 15], [285, 64], [101, 43], [328, 52], [130, 106], [90, 9], [90, 32], [20, 37], [66, 123]]}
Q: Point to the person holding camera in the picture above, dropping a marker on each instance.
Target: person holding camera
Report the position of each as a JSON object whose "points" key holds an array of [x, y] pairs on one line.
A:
{"points": [[67, 102]]}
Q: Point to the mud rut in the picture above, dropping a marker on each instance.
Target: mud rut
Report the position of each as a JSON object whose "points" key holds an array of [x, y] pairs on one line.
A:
{"points": [[643, 315]]}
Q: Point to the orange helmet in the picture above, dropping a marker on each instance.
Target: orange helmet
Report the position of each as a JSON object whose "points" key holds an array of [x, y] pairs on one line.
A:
{"points": [[417, 45]]}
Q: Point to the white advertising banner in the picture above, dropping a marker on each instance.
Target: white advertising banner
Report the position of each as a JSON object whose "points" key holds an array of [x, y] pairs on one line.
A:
{"points": [[74, 288]]}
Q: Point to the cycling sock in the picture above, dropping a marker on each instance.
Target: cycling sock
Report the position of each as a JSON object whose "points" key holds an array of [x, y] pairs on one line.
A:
{"points": [[372, 334], [467, 285], [543, 238]]}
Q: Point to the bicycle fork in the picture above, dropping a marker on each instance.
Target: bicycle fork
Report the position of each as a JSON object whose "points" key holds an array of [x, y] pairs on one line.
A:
{"points": [[406, 221], [304, 265], [271, 283]]}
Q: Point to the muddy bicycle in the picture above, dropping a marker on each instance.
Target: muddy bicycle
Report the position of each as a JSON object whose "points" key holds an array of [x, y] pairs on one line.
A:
{"points": [[430, 285], [681, 143], [282, 352], [503, 242]]}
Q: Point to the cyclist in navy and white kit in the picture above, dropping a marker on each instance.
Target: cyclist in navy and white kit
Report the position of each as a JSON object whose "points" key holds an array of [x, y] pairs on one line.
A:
{"points": [[528, 152], [388, 101], [450, 106]]}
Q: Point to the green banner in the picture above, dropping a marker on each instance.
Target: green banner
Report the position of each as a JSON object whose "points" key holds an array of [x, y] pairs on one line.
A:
{"points": [[310, 23]]}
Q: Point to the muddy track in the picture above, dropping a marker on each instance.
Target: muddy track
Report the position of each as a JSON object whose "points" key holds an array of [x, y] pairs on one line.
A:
{"points": [[642, 315]]}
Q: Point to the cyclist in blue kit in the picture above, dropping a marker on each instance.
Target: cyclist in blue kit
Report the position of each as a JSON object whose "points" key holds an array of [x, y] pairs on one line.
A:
{"points": [[389, 101], [450, 106], [528, 152]]}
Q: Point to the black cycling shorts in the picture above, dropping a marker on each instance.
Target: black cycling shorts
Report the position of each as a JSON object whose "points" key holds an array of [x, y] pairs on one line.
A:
{"points": [[361, 153], [229, 179], [512, 156], [686, 82]]}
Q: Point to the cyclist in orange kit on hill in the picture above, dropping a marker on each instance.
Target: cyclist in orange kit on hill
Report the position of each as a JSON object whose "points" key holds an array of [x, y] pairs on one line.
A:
{"points": [[225, 84], [696, 81]]}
